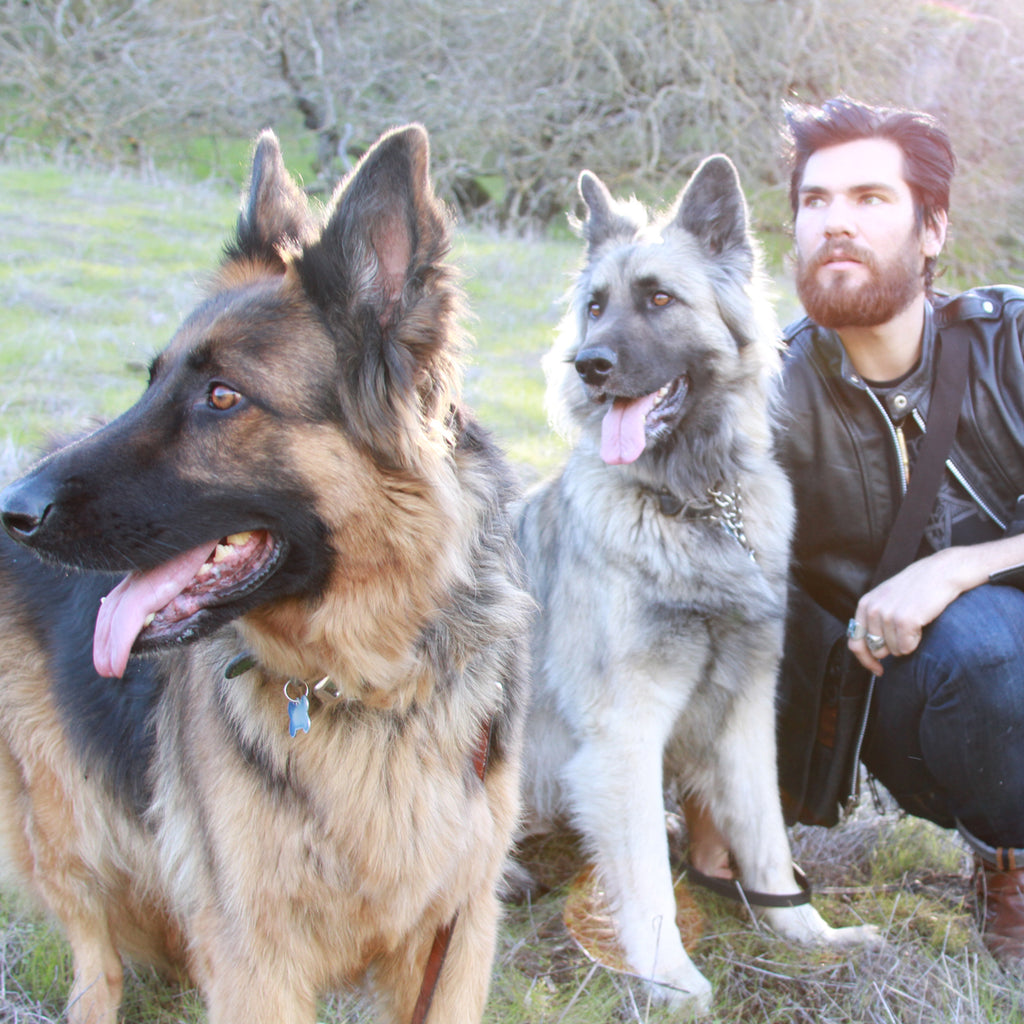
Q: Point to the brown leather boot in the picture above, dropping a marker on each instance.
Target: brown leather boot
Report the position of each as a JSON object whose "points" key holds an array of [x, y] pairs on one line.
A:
{"points": [[1001, 912]]}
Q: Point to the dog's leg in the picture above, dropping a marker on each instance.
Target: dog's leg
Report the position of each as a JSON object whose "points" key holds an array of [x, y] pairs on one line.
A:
{"points": [[260, 997], [244, 981], [43, 849], [615, 782], [98, 973], [744, 800], [461, 989]]}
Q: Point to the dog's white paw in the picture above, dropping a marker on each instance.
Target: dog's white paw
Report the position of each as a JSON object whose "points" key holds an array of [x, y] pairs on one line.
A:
{"points": [[805, 925], [688, 993], [854, 935]]}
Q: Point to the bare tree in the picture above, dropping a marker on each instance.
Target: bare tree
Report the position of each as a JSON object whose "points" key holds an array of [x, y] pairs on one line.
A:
{"points": [[104, 77], [519, 97]]}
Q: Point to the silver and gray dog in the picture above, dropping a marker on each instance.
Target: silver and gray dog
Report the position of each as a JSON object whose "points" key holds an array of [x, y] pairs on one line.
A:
{"points": [[658, 558]]}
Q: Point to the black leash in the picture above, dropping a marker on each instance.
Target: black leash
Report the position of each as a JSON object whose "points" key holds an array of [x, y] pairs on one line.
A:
{"points": [[731, 889]]}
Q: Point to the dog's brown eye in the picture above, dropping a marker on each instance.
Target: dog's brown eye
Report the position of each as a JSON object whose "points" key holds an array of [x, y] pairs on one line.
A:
{"points": [[223, 398], [594, 310], [661, 299]]}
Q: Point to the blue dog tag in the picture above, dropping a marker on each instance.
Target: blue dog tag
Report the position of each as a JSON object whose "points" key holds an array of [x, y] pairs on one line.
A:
{"points": [[298, 715]]}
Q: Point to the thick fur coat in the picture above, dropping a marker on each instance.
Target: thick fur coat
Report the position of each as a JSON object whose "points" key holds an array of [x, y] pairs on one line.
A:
{"points": [[659, 557], [259, 764]]}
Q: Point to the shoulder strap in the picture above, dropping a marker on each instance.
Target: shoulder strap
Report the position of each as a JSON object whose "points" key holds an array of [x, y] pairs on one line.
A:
{"points": [[944, 411]]}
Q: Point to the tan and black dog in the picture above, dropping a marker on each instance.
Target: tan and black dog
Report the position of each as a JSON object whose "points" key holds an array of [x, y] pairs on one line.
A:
{"points": [[262, 763]]}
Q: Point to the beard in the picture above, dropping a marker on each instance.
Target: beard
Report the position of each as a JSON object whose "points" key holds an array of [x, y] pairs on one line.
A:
{"points": [[890, 288]]}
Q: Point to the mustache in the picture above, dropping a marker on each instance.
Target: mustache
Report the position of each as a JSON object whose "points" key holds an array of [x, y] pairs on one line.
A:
{"points": [[829, 251]]}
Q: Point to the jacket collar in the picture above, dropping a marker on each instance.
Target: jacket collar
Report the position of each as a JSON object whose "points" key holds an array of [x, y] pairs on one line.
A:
{"points": [[911, 393]]}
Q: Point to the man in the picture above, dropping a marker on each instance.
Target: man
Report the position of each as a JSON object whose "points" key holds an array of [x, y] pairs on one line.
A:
{"points": [[943, 721]]}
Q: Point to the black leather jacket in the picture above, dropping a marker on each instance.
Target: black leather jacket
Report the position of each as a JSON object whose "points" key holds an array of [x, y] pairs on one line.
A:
{"points": [[840, 447]]}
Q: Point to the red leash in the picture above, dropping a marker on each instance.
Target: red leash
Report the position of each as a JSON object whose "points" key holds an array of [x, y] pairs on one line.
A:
{"points": [[443, 936]]}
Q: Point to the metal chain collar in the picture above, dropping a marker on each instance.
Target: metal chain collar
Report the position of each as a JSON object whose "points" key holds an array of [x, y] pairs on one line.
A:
{"points": [[725, 508], [731, 516]]}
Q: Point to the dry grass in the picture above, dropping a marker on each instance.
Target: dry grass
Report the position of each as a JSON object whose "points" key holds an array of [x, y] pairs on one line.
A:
{"points": [[907, 877], [904, 875]]}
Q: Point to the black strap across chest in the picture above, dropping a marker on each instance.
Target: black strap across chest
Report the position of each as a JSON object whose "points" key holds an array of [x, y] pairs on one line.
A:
{"points": [[943, 413]]}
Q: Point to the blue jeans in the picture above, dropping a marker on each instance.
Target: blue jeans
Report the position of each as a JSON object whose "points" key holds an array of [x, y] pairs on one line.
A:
{"points": [[946, 730]]}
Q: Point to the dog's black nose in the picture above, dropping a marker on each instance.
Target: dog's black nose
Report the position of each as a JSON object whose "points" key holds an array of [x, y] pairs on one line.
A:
{"points": [[23, 511], [595, 365]]}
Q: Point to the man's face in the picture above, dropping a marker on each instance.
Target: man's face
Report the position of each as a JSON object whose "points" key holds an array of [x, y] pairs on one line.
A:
{"points": [[860, 255]]}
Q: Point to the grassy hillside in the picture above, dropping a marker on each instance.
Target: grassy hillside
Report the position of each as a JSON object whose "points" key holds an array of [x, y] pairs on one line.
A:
{"points": [[95, 273]]}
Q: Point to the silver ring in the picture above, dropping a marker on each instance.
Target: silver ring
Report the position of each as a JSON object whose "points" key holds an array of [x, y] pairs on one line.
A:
{"points": [[875, 643], [855, 631]]}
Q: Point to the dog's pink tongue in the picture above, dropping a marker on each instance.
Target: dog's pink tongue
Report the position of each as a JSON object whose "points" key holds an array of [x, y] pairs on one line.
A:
{"points": [[623, 433], [124, 610]]}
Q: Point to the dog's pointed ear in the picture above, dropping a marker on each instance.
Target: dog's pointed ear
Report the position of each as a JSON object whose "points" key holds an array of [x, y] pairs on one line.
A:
{"points": [[275, 213], [384, 223], [379, 276], [605, 219], [712, 208]]}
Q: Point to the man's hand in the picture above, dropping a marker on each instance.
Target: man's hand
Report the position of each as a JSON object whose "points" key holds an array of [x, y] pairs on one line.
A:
{"points": [[898, 609]]}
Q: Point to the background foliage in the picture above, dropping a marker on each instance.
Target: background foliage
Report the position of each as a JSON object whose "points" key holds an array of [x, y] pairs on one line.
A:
{"points": [[520, 96]]}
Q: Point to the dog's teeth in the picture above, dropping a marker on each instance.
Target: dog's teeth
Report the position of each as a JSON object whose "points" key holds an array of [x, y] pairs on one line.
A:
{"points": [[148, 621], [204, 570], [222, 551], [237, 540]]}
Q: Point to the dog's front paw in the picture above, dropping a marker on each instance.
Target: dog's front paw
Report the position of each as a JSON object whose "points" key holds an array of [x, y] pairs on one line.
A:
{"points": [[854, 935], [687, 992], [805, 925]]}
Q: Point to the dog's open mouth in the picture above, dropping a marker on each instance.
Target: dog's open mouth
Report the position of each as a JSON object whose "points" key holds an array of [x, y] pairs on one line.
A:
{"points": [[154, 608], [630, 424]]}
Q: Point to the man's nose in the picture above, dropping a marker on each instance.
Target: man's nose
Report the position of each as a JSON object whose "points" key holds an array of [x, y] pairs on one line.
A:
{"points": [[839, 219]]}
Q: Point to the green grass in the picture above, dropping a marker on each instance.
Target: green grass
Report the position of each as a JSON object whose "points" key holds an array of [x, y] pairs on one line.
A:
{"points": [[515, 291], [96, 271]]}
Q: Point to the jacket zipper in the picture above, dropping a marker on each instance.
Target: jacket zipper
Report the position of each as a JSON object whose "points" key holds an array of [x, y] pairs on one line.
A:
{"points": [[965, 483], [894, 437], [851, 783], [901, 458]]}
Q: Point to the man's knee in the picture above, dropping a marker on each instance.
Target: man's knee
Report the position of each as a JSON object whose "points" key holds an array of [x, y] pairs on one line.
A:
{"points": [[982, 630]]}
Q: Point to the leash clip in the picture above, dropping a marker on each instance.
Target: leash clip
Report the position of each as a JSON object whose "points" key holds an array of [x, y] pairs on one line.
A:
{"points": [[327, 690]]}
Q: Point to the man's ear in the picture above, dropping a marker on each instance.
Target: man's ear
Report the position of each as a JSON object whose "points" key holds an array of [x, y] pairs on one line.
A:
{"points": [[933, 236]]}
